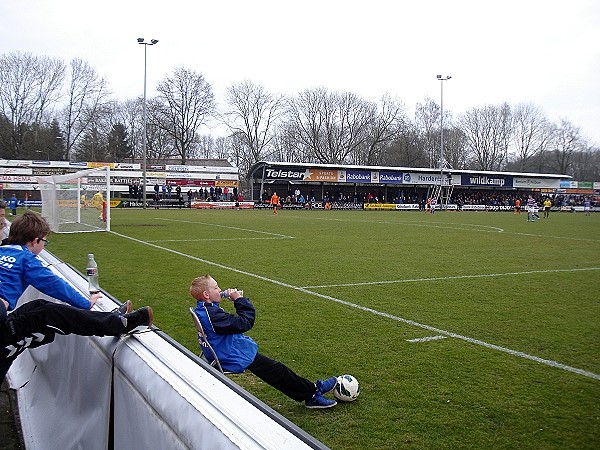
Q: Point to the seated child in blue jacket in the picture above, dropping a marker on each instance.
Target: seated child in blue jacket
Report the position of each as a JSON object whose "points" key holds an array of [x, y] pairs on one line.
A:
{"points": [[237, 352]]}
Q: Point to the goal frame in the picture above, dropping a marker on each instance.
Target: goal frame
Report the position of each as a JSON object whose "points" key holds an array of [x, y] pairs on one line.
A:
{"points": [[65, 191]]}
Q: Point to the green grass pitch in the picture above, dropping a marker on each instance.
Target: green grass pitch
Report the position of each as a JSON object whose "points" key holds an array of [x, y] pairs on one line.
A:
{"points": [[465, 330]]}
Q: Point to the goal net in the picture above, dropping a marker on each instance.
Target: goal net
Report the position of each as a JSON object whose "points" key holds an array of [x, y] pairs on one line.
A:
{"points": [[77, 202]]}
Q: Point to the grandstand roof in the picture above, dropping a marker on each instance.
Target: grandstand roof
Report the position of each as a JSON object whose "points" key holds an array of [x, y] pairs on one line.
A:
{"points": [[260, 164]]}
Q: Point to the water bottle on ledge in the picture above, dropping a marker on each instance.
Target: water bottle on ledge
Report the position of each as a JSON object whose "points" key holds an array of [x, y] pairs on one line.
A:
{"points": [[92, 275]]}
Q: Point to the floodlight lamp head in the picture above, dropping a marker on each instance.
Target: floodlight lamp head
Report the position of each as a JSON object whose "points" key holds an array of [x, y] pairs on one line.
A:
{"points": [[140, 40], [439, 77], [154, 41]]}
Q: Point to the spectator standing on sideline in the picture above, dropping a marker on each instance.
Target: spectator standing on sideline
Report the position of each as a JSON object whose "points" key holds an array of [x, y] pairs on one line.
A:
{"points": [[4, 224], [237, 352], [12, 204]]}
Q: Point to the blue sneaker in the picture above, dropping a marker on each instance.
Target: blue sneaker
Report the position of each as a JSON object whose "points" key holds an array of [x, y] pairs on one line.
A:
{"points": [[326, 386], [319, 402]]}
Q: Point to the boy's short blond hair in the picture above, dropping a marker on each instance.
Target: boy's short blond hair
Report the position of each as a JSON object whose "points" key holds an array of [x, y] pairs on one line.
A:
{"points": [[199, 285]]}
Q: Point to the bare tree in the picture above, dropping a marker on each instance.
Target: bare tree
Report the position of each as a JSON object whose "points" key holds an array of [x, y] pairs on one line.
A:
{"points": [[586, 164], [455, 148], [186, 101], [29, 88], [239, 152], [427, 120], [531, 134], [160, 143], [330, 126], [567, 142], [488, 131], [86, 93], [387, 123], [129, 113], [221, 148], [285, 146], [407, 150], [252, 114]]}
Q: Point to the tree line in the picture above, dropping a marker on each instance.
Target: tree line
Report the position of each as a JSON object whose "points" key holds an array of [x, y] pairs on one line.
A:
{"points": [[54, 110]]}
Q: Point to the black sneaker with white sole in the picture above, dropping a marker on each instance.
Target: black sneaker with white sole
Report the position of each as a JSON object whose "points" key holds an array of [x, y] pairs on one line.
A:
{"points": [[125, 308], [138, 318]]}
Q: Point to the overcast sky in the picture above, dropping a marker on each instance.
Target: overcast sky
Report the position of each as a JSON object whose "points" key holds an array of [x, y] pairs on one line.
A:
{"points": [[544, 52]]}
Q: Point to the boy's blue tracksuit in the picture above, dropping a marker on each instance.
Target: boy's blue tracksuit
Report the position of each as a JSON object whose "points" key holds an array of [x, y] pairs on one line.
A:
{"points": [[20, 268], [237, 352]]}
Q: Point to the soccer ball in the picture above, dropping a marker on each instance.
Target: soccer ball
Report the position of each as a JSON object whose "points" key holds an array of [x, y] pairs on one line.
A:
{"points": [[347, 388]]}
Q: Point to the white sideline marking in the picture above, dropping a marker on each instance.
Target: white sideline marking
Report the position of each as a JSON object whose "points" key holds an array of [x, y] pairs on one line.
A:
{"points": [[434, 330], [223, 239], [426, 339], [227, 226], [456, 277]]}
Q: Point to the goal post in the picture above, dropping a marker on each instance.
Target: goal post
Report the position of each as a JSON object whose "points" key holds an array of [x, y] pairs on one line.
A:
{"points": [[77, 202]]}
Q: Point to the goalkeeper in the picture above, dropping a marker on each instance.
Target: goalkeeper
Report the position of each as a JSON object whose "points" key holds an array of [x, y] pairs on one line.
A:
{"points": [[97, 201]]}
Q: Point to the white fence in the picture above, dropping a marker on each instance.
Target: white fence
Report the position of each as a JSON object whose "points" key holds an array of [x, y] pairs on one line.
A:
{"points": [[142, 391]]}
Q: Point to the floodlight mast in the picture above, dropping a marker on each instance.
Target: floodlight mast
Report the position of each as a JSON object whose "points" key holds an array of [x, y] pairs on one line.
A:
{"points": [[144, 119], [442, 79]]}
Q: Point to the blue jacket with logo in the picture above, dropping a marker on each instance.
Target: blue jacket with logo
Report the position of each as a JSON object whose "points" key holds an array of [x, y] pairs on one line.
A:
{"points": [[19, 268], [225, 333]]}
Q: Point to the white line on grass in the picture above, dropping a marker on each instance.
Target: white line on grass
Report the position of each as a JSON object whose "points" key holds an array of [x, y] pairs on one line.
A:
{"points": [[421, 223], [222, 239], [426, 339], [434, 330], [463, 226], [228, 227], [455, 277]]}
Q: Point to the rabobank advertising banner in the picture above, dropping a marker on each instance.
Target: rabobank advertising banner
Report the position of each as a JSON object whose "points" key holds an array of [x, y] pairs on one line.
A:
{"points": [[391, 177], [361, 176]]}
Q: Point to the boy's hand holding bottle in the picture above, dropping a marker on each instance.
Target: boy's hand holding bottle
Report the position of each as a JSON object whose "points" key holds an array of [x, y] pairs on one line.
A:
{"points": [[232, 294]]}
